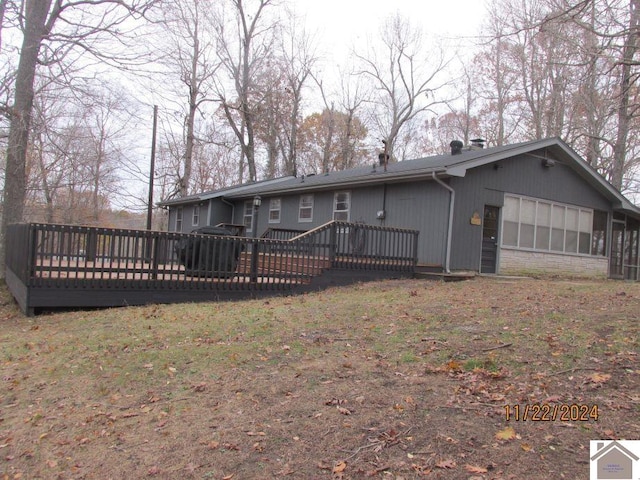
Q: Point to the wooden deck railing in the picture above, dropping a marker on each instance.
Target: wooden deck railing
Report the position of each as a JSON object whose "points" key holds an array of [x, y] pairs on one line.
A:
{"points": [[358, 246], [64, 258], [281, 233]]}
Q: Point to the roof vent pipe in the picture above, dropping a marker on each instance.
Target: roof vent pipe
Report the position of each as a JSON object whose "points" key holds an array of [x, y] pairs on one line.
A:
{"points": [[477, 143], [456, 147]]}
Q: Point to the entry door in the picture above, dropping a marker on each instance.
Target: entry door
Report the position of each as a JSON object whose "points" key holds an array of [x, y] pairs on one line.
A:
{"points": [[489, 239], [617, 250]]}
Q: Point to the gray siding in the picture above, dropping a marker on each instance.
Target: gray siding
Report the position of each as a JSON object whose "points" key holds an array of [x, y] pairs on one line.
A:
{"points": [[219, 212], [187, 218], [422, 206], [522, 176]]}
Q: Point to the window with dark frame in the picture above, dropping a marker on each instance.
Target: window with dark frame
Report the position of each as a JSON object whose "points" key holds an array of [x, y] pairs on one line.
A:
{"points": [[305, 211], [179, 219], [247, 218], [275, 205], [196, 216], [341, 206]]}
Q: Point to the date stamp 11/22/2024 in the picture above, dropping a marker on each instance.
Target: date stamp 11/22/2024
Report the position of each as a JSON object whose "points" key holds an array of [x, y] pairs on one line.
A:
{"points": [[551, 412]]}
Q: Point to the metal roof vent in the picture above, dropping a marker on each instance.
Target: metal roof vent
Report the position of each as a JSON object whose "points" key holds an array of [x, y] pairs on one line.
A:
{"points": [[477, 143], [456, 147]]}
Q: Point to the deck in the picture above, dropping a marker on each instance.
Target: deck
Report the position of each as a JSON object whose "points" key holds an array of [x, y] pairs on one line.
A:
{"points": [[64, 266]]}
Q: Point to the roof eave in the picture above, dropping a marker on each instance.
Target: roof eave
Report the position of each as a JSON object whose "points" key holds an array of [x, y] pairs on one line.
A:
{"points": [[379, 179]]}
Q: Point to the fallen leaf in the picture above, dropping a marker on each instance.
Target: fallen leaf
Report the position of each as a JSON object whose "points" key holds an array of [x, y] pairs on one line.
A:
{"points": [[420, 469], [256, 434], [155, 470], [475, 469], [598, 377], [446, 464], [506, 434], [200, 387], [526, 447], [343, 411], [454, 365], [339, 467]]}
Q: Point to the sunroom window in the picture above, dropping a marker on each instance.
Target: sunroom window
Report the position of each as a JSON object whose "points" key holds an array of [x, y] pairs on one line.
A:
{"points": [[533, 224]]}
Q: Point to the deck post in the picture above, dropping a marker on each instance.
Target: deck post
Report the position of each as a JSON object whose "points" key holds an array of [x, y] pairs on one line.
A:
{"points": [[333, 247], [257, 201], [155, 241], [254, 261]]}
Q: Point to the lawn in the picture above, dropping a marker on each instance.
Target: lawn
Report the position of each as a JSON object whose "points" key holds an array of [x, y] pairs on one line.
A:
{"points": [[392, 380]]}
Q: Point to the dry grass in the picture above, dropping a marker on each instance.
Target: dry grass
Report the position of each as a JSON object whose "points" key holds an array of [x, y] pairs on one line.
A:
{"points": [[398, 379]]}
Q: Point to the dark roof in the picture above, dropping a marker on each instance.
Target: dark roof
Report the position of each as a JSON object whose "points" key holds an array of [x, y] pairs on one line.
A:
{"points": [[222, 192], [446, 165]]}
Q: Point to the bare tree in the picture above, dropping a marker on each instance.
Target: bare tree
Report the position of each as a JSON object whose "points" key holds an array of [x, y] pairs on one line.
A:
{"points": [[41, 17], [496, 80], [405, 86], [243, 51], [352, 99], [299, 58], [625, 111], [576, 78], [191, 57]]}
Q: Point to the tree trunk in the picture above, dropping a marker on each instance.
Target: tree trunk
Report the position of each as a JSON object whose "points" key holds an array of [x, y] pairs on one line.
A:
{"points": [[15, 177], [293, 138], [329, 118], [590, 94], [620, 147]]}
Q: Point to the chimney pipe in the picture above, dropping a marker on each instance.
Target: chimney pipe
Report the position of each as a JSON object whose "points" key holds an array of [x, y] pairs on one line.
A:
{"points": [[381, 159], [456, 147]]}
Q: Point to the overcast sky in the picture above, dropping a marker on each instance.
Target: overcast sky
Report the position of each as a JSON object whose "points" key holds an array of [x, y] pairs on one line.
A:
{"points": [[342, 23]]}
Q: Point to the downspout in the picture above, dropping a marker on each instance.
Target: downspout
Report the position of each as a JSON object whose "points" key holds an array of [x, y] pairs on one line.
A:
{"points": [[452, 192]]}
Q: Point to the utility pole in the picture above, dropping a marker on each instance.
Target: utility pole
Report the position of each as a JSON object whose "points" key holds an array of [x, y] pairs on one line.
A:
{"points": [[152, 168]]}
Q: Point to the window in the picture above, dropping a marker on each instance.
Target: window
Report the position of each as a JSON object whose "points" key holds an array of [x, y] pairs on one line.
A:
{"points": [[539, 225], [584, 231], [196, 215], [275, 206], [305, 212], [247, 218], [179, 219], [543, 226], [527, 223], [510, 214], [341, 206]]}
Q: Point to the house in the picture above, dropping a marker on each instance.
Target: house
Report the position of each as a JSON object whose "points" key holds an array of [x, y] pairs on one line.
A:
{"points": [[532, 207], [614, 461]]}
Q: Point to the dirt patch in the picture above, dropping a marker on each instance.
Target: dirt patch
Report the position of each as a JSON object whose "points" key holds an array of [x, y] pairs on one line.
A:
{"points": [[398, 379]]}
